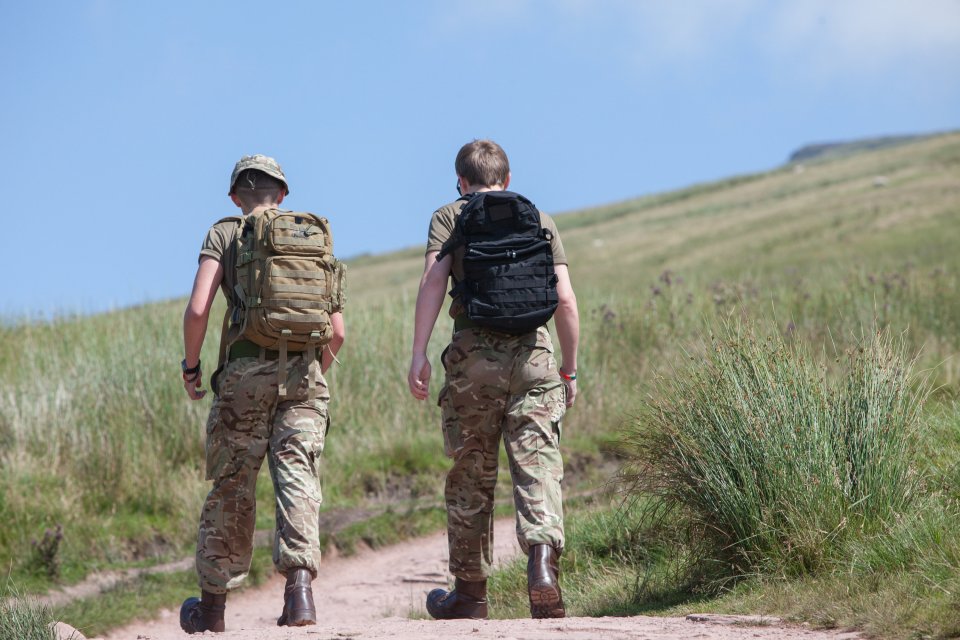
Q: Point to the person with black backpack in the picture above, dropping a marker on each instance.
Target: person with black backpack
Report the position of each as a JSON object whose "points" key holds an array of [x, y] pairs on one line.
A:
{"points": [[510, 276], [281, 331]]}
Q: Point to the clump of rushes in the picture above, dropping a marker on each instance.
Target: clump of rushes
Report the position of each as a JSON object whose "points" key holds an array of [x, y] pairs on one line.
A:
{"points": [[769, 463], [22, 619]]}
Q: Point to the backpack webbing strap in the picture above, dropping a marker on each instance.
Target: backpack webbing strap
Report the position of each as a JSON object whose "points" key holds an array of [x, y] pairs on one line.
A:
{"points": [[319, 289], [311, 356], [222, 357], [504, 284], [456, 239], [310, 318], [510, 271], [299, 273], [295, 242], [298, 304], [282, 364], [228, 315]]}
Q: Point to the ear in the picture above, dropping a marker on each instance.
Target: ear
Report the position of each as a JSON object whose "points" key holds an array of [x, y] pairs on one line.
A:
{"points": [[464, 185], [506, 183], [236, 200], [283, 194]]}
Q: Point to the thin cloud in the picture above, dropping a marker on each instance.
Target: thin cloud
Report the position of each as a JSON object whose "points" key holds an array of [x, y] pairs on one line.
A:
{"points": [[828, 37], [868, 35]]}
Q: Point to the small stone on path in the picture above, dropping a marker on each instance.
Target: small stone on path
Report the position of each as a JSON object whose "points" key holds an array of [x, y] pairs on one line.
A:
{"points": [[718, 618], [66, 632]]}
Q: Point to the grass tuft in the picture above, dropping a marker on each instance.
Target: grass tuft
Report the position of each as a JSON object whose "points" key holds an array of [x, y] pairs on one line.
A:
{"points": [[770, 463], [24, 619]]}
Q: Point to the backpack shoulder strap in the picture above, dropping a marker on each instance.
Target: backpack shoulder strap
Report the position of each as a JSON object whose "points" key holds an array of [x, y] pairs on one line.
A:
{"points": [[457, 238], [225, 328]]}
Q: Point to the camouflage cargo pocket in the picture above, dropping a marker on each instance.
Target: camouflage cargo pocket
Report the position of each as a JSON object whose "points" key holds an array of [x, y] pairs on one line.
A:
{"points": [[236, 423], [452, 433], [555, 400], [217, 456]]}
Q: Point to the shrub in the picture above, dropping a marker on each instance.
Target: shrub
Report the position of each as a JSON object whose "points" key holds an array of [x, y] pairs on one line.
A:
{"points": [[767, 461], [45, 552]]}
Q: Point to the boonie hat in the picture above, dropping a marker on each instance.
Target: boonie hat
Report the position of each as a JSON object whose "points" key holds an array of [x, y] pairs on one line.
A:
{"points": [[259, 162]]}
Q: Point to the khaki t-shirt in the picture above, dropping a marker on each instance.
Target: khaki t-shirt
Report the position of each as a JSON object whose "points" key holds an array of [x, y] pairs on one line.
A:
{"points": [[220, 244], [442, 226]]}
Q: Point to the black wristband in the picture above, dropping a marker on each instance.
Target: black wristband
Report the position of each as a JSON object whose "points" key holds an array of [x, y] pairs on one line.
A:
{"points": [[192, 370]]}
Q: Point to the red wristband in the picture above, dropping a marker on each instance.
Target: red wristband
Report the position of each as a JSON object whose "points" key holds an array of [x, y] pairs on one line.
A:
{"points": [[568, 376]]}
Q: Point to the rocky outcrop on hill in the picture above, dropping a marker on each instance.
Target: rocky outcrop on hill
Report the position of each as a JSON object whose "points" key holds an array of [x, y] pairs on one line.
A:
{"points": [[823, 150]]}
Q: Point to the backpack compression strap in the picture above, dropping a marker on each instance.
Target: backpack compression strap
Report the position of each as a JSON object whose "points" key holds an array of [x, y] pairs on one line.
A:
{"points": [[311, 354]]}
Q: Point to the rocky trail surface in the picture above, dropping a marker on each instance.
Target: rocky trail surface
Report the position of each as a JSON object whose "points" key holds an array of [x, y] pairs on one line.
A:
{"points": [[373, 595]]}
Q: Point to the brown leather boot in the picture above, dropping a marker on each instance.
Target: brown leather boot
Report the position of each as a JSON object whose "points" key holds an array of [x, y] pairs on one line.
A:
{"points": [[203, 614], [543, 582], [467, 600], [298, 609]]}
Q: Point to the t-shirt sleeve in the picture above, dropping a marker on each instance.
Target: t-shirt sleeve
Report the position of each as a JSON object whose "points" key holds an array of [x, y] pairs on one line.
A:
{"points": [[559, 256], [215, 244], [441, 228]]}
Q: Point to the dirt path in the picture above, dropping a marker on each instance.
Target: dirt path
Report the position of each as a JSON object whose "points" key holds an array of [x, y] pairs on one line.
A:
{"points": [[373, 594]]}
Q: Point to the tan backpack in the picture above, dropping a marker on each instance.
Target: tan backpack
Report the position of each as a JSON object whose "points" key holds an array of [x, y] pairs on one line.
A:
{"points": [[288, 283]]}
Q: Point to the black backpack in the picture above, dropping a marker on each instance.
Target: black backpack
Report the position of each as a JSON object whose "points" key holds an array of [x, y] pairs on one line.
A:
{"points": [[509, 282]]}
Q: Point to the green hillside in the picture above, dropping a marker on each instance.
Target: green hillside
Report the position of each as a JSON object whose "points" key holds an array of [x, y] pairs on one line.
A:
{"points": [[98, 437]]}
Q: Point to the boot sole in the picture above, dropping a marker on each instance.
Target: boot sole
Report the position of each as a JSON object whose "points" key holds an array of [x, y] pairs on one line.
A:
{"points": [[545, 602], [437, 612], [295, 621]]}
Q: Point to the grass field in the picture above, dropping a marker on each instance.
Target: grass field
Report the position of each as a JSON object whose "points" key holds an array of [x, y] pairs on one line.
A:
{"points": [[98, 438]]}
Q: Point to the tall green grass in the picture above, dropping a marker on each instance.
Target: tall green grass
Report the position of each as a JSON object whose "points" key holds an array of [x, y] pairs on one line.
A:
{"points": [[23, 619], [769, 462]]}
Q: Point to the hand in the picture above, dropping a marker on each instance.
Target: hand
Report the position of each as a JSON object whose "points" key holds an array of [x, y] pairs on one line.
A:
{"points": [[419, 377], [571, 387], [193, 386]]}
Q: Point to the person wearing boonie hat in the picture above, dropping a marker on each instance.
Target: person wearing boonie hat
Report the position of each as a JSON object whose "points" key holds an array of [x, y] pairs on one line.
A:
{"points": [[253, 417]]}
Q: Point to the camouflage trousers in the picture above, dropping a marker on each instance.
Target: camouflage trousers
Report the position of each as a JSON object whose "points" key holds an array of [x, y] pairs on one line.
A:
{"points": [[248, 422], [496, 386]]}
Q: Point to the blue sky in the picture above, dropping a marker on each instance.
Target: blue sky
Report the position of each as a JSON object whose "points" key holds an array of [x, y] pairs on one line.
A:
{"points": [[122, 120]]}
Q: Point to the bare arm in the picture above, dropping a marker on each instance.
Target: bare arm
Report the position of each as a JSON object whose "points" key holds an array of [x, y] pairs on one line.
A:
{"points": [[567, 320], [433, 287], [339, 335], [196, 315]]}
